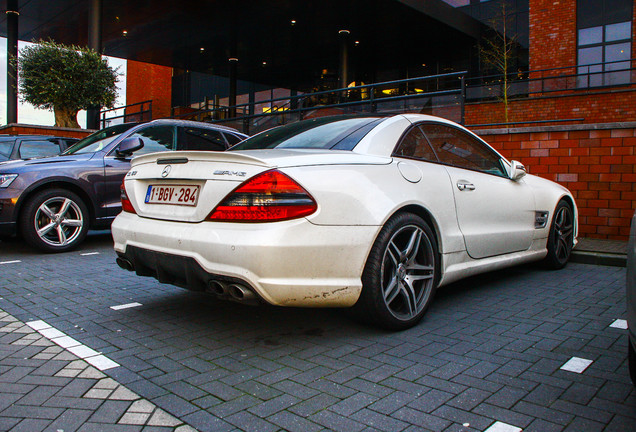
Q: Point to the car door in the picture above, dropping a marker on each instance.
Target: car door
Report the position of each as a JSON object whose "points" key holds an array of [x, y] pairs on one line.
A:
{"points": [[155, 138], [495, 214]]}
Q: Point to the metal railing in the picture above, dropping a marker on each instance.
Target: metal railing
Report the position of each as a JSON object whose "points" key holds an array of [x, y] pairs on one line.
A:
{"points": [[441, 95], [136, 112], [599, 76]]}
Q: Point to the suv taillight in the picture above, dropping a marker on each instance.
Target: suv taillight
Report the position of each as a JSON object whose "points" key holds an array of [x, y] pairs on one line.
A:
{"points": [[267, 197], [126, 205]]}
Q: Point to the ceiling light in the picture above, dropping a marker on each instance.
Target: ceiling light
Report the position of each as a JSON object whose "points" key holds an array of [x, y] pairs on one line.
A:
{"points": [[293, 22], [124, 33]]}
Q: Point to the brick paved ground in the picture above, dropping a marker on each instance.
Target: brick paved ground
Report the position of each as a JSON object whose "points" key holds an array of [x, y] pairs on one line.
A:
{"points": [[487, 355]]}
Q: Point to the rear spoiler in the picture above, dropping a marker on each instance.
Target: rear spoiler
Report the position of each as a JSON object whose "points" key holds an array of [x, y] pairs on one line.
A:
{"points": [[206, 156]]}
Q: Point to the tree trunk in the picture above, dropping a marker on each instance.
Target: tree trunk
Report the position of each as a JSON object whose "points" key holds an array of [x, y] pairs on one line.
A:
{"points": [[66, 117]]}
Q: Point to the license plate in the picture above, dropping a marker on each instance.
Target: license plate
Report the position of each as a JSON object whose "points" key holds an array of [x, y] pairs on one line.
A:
{"points": [[172, 194]]}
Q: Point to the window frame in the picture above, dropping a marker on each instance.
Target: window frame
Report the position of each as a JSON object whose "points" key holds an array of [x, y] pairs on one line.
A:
{"points": [[502, 161], [127, 134], [18, 146], [604, 71]]}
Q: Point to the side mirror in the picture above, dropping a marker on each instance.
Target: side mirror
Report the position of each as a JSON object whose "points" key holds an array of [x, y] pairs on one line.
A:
{"points": [[128, 146], [517, 170]]}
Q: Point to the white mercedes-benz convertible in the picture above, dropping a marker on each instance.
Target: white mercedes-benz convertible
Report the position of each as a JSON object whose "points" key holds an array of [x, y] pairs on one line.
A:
{"points": [[370, 212]]}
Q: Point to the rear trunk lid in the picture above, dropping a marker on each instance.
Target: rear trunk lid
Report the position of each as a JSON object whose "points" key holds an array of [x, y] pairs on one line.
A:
{"points": [[187, 186]]}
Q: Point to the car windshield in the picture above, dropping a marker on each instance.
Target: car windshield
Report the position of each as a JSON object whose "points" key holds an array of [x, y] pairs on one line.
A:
{"points": [[338, 133], [98, 140]]}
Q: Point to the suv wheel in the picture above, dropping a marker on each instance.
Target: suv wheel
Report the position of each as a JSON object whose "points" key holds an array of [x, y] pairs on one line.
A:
{"points": [[54, 220]]}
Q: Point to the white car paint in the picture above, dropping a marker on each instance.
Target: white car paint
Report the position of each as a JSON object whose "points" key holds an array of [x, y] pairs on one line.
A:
{"points": [[318, 260]]}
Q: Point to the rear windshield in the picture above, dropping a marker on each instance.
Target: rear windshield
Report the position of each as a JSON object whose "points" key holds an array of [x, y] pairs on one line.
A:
{"points": [[338, 133]]}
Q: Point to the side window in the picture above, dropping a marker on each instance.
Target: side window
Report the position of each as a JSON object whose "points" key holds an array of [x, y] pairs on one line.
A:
{"points": [[38, 148], [156, 139], [232, 139], [67, 142], [415, 145], [6, 146], [456, 148], [201, 139]]}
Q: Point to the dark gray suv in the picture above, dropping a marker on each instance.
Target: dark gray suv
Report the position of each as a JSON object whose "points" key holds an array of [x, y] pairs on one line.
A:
{"points": [[52, 202]]}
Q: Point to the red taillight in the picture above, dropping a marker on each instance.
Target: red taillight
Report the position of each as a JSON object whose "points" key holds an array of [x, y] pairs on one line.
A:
{"points": [[270, 196], [126, 205]]}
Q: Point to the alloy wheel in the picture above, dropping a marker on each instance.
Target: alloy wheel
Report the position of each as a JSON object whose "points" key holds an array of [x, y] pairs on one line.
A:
{"points": [[58, 221], [563, 233], [407, 272]]}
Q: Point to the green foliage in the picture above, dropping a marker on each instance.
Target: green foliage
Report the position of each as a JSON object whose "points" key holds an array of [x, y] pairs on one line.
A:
{"points": [[70, 78]]}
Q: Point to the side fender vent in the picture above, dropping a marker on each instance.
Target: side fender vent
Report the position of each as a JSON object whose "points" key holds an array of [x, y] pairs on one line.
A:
{"points": [[540, 219]]}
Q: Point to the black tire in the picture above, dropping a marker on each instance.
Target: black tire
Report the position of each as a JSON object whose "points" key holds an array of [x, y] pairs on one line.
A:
{"points": [[401, 274], [561, 238], [54, 220], [631, 361]]}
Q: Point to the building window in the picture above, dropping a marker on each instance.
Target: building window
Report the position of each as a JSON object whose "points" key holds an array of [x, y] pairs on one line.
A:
{"points": [[604, 42]]}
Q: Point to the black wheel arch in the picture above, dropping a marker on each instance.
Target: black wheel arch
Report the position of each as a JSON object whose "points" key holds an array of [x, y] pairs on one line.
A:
{"points": [[57, 183], [569, 201], [422, 212]]}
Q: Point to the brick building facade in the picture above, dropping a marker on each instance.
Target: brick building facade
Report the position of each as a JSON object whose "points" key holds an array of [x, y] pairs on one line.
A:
{"points": [[595, 162], [590, 154]]}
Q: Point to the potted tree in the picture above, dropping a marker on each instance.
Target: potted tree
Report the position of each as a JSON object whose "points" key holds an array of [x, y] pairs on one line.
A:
{"points": [[65, 79]]}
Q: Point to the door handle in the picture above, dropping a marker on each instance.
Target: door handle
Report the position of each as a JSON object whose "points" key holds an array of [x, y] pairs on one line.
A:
{"points": [[463, 185]]}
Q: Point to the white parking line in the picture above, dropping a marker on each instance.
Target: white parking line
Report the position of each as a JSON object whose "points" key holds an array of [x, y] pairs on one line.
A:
{"points": [[576, 365], [38, 325], [91, 356], [126, 306], [502, 427], [10, 262], [619, 324], [89, 253]]}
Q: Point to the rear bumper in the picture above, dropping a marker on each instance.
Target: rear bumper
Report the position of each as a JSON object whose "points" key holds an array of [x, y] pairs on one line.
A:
{"points": [[290, 263]]}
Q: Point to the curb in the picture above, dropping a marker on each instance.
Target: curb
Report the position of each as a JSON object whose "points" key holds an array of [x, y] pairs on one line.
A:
{"points": [[599, 258]]}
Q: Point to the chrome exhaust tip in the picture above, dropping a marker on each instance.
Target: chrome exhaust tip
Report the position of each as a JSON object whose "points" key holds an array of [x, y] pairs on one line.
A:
{"points": [[241, 294], [217, 287], [125, 264]]}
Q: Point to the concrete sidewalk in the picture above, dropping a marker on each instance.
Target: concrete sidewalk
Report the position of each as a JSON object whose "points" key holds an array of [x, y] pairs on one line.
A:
{"points": [[600, 252]]}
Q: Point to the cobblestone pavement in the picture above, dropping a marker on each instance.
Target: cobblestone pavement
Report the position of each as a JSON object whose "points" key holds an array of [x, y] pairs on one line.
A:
{"points": [[87, 346]]}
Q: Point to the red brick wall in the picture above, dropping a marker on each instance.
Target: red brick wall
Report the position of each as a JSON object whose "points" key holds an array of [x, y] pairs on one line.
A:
{"points": [[616, 106], [597, 166], [15, 129], [145, 81], [552, 33]]}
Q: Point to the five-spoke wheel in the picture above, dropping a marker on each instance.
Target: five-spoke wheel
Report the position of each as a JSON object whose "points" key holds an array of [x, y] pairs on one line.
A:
{"points": [[400, 276], [561, 237], [54, 220]]}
